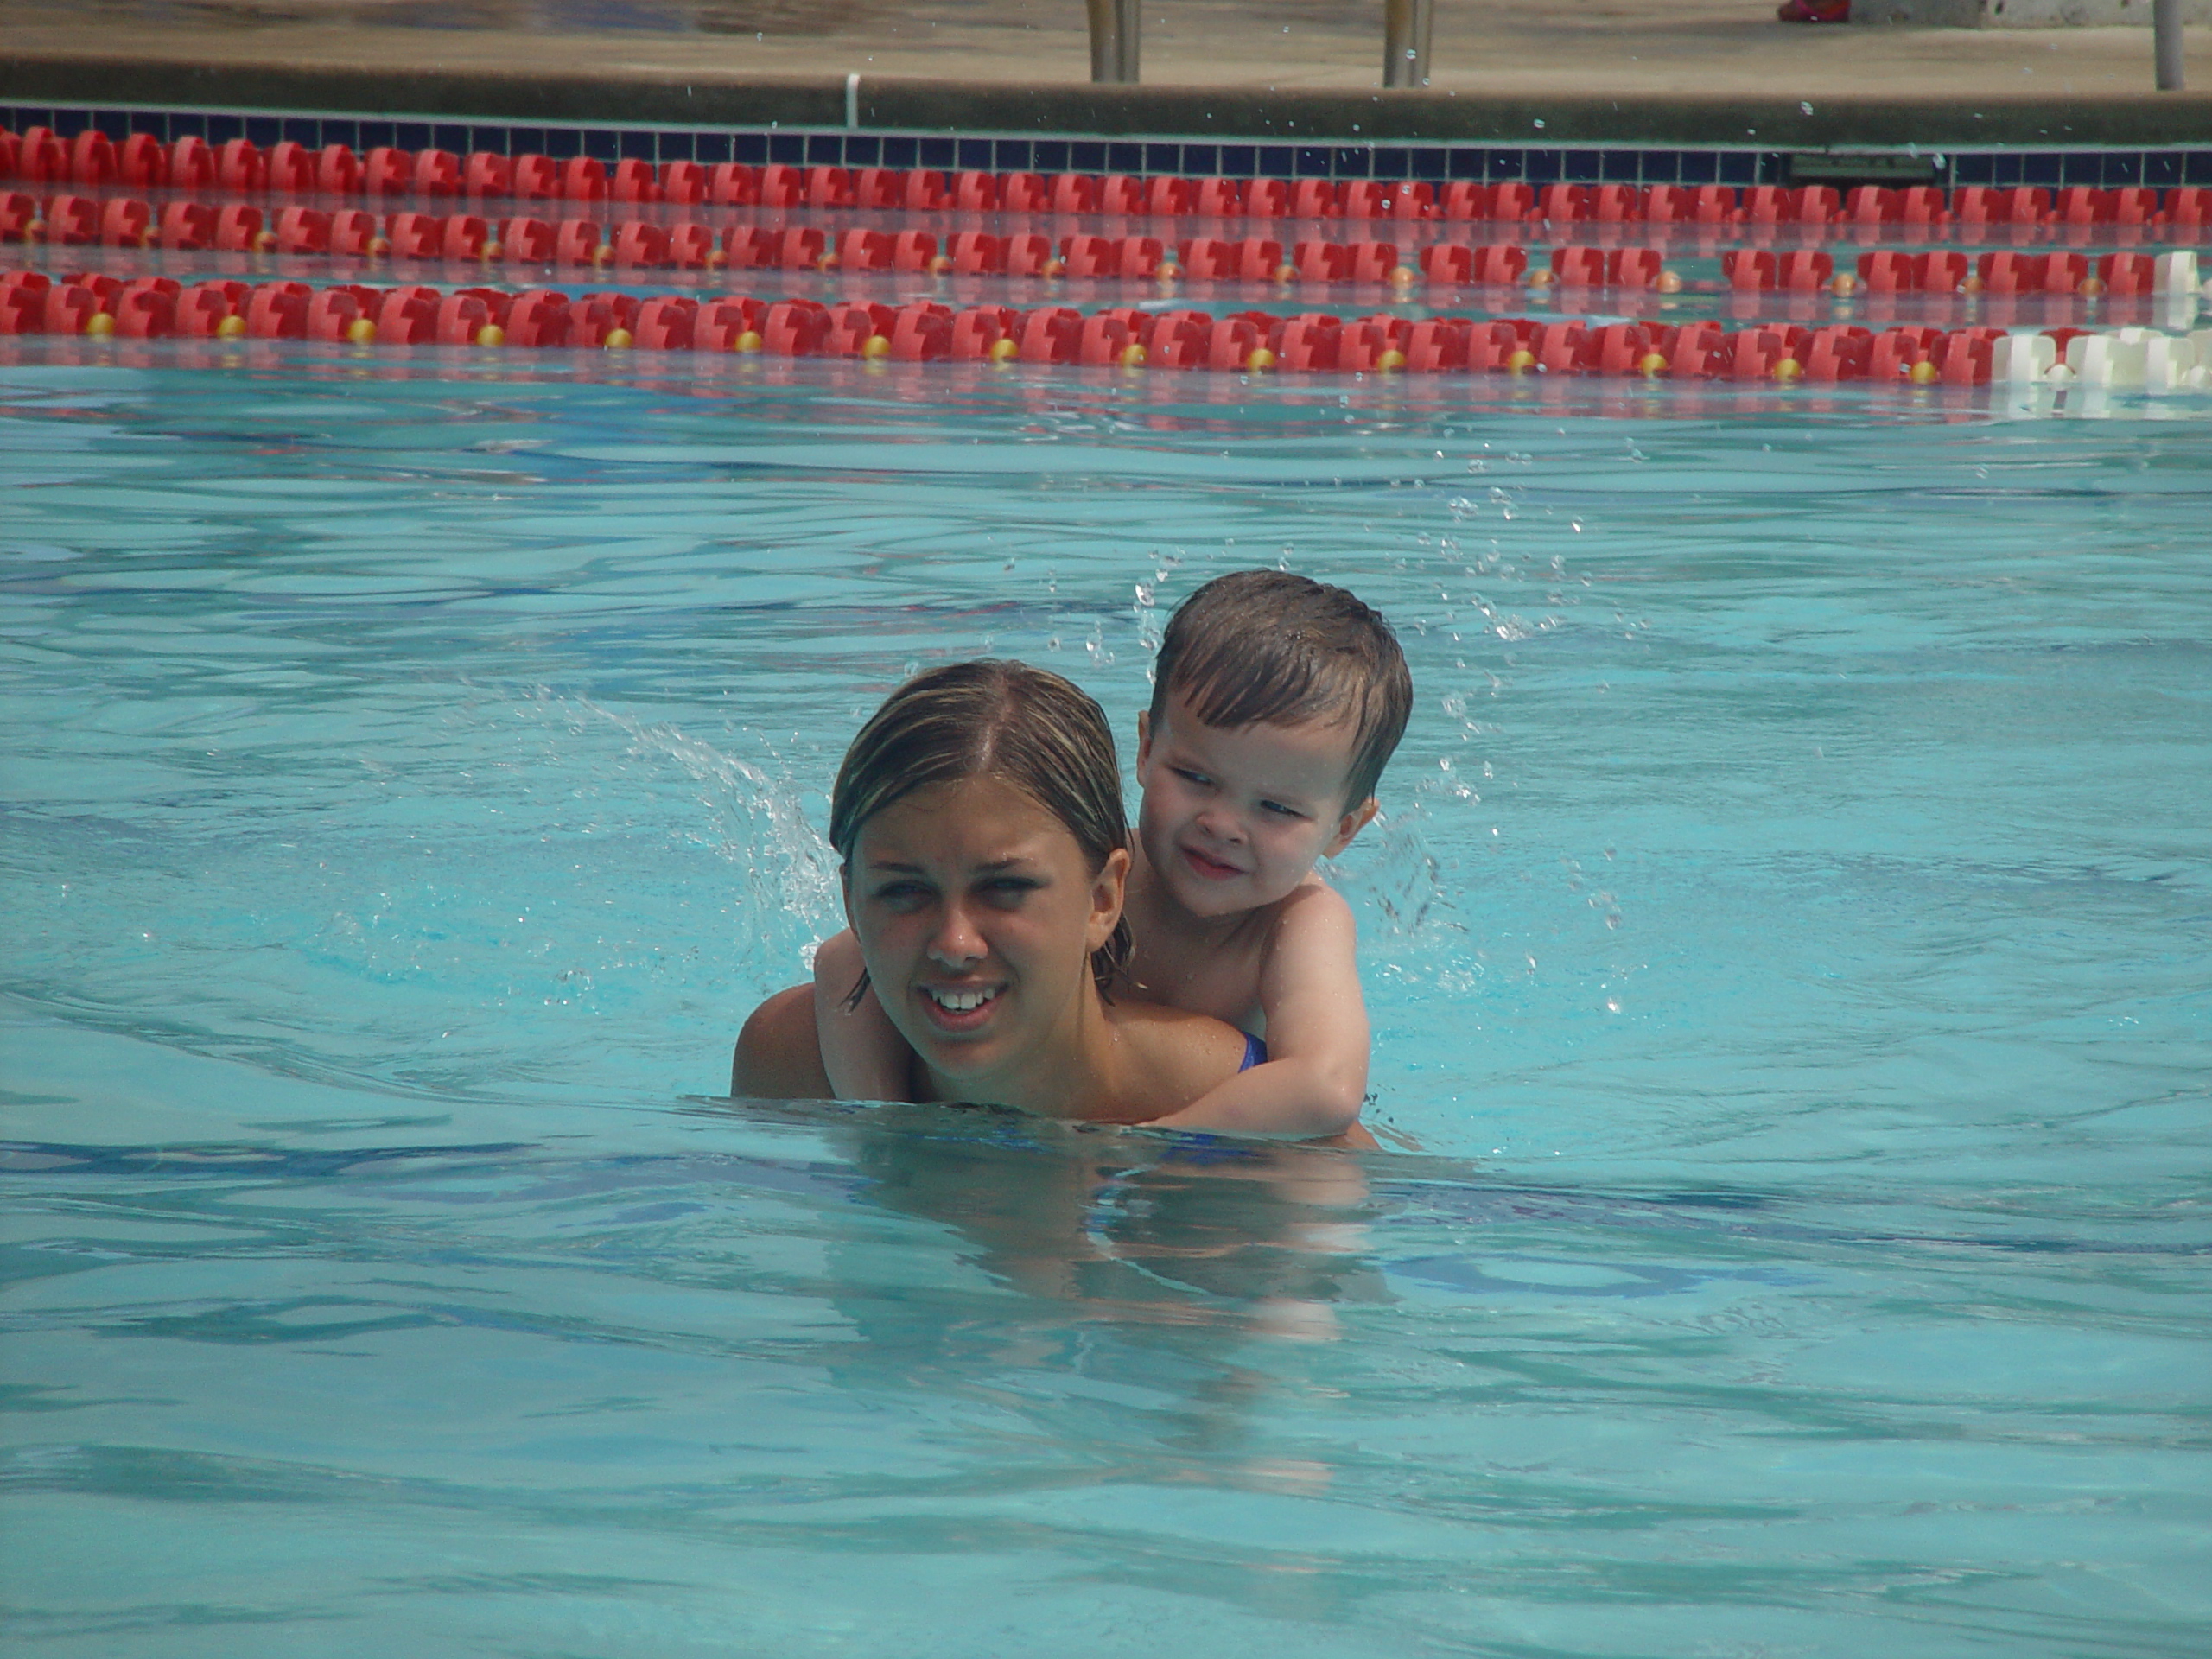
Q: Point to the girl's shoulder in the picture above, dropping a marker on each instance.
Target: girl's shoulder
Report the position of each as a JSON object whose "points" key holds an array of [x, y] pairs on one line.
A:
{"points": [[1172, 1056]]}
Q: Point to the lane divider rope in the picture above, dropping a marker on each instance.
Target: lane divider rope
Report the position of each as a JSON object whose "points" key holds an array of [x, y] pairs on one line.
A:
{"points": [[70, 220], [91, 159], [103, 307]]}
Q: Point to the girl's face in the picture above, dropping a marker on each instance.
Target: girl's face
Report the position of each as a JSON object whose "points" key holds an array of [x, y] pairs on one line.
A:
{"points": [[977, 914]]}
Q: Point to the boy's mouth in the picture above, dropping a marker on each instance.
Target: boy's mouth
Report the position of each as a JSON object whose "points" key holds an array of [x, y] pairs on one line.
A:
{"points": [[959, 1007], [1210, 867]]}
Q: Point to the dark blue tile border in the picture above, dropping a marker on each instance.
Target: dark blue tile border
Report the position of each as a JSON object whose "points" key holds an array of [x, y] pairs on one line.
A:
{"points": [[2046, 167]]}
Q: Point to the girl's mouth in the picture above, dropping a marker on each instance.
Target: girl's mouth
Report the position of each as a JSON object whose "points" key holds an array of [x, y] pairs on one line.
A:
{"points": [[959, 1007]]}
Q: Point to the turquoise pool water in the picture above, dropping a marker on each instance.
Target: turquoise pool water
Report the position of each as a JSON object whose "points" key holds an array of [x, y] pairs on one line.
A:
{"points": [[1788, 940]]}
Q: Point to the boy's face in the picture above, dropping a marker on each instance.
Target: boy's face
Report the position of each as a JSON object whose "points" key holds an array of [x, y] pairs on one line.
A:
{"points": [[1233, 820]]}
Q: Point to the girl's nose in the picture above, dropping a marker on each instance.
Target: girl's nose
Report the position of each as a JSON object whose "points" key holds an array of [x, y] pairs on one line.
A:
{"points": [[954, 942]]}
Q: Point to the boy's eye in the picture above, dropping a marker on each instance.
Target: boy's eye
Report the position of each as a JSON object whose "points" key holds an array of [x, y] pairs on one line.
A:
{"points": [[1189, 776]]}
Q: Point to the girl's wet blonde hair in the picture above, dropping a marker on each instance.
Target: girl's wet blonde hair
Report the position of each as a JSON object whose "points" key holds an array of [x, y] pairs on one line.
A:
{"points": [[992, 718]]}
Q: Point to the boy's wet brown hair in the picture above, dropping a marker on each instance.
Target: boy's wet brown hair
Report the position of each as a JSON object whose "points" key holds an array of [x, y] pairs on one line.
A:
{"points": [[1265, 645], [992, 718]]}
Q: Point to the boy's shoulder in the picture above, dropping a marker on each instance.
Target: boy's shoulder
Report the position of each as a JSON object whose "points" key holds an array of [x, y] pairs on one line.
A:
{"points": [[1310, 911]]}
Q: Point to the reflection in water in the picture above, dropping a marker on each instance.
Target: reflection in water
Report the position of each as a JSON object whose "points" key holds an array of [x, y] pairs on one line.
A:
{"points": [[1154, 1262], [1133, 1221]]}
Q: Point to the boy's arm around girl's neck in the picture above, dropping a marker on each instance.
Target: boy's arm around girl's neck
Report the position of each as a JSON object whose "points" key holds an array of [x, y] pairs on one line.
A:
{"points": [[1315, 1078]]}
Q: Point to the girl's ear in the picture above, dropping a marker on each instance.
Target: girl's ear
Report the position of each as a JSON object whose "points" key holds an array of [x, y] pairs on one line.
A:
{"points": [[1107, 890], [1350, 825]]}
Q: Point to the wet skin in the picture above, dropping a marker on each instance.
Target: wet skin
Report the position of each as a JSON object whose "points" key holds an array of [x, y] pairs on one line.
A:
{"points": [[1234, 820], [976, 914]]}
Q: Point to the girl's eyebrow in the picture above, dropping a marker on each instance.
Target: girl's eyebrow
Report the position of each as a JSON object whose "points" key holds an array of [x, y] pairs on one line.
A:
{"points": [[990, 866]]}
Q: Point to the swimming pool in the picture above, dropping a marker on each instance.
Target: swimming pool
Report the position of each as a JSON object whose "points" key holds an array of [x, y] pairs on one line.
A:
{"points": [[1787, 943]]}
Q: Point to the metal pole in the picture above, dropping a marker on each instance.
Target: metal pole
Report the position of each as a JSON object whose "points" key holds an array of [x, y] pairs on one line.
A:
{"points": [[1408, 28], [2165, 30], [1115, 32]]}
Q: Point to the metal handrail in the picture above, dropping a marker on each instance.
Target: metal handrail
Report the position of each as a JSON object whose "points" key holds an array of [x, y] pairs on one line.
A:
{"points": [[1408, 27], [1115, 37], [2166, 33]]}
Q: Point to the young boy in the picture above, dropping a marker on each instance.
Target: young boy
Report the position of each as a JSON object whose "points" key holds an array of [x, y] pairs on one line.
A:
{"points": [[1276, 702]]}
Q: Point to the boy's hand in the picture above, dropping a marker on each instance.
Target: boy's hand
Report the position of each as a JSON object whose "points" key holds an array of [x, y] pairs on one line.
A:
{"points": [[1315, 1078], [861, 1050]]}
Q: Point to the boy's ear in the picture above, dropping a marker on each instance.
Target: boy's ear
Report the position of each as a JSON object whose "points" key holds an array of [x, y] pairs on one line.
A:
{"points": [[1351, 824], [1144, 736]]}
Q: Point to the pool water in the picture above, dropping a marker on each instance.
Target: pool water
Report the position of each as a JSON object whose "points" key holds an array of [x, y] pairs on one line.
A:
{"points": [[1787, 935]]}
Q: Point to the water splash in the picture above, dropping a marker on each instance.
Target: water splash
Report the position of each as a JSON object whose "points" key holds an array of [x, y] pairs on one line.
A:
{"points": [[1399, 892], [761, 826]]}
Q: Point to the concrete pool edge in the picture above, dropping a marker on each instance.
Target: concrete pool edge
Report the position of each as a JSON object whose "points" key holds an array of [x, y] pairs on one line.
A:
{"points": [[1246, 114]]}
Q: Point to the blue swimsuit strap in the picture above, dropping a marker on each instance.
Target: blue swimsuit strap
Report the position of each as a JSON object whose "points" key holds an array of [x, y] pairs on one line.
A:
{"points": [[1255, 1053]]}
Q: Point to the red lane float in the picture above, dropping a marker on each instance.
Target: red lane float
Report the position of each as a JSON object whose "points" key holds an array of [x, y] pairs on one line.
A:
{"points": [[98, 306], [68, 219], [73, 219], [90, 159]]}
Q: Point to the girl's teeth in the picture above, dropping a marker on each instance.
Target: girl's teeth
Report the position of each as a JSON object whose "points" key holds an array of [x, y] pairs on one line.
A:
{"points": [[962, 1001]]}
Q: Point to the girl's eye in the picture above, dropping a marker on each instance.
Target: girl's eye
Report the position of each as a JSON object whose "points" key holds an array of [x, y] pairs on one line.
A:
{"points": [[902, 895], [1011, 890]]}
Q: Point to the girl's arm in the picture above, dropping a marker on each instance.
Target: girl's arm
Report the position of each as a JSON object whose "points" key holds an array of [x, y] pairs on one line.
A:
{"points": [[862, 1050], [776, 1057]]}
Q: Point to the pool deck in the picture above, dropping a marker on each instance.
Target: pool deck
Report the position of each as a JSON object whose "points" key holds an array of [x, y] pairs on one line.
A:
{"points": [[1697, 72]]}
